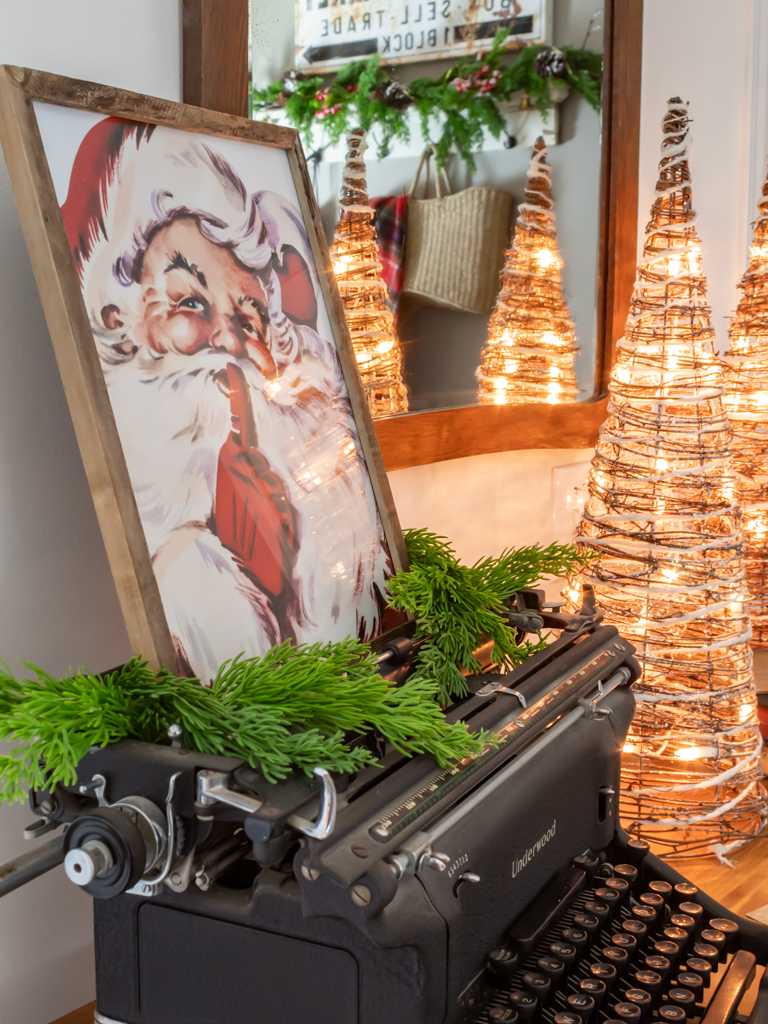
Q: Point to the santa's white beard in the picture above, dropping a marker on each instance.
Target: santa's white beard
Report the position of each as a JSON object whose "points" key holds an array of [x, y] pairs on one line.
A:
{"points": [[173, 420]]}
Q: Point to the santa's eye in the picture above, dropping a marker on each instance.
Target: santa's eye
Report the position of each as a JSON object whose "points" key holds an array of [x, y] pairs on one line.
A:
{"points": [[192, 302], [250, 329]]}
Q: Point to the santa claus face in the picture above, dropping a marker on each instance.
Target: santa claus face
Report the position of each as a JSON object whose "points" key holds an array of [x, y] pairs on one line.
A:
{"points": [[196, 295]]}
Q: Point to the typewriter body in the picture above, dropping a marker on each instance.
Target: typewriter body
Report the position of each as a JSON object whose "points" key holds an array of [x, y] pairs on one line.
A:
{"points": [[498, 888]]}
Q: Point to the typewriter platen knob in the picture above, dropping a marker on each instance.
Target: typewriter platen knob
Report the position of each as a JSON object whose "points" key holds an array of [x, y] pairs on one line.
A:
{"points": [[105, 852]]}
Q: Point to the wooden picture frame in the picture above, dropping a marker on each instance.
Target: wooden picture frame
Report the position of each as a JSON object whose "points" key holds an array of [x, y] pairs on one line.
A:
{"points": [[72, 327], [419, 438]]}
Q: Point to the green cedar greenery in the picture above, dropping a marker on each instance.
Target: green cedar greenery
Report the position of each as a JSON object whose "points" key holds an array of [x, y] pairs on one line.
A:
{"points": [[454, 605], [464, 100], [289, 709]]}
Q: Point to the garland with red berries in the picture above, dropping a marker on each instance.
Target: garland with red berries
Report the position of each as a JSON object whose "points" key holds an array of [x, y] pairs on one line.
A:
{"points": [[464, 101]]}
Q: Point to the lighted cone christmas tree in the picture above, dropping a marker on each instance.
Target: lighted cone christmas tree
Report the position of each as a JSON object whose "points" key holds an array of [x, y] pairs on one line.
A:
{"points": [[746, 401], [528, 356], [358, 272], [662, 517]]}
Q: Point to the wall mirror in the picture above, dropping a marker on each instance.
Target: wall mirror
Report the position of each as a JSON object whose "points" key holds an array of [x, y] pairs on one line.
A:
{"points": [[594, 180]]}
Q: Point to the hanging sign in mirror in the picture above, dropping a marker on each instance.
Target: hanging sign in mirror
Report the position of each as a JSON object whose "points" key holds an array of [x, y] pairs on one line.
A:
{"points": [[331, 32]]}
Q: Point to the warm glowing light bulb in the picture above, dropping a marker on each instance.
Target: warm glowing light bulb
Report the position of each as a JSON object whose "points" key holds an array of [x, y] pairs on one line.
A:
{"points": [[630, 748], [550, 338], [545, 258], [499, 391], [744, 712], [695, 753]]}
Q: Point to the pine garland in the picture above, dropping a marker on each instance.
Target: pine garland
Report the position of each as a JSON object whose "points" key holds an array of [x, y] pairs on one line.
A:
{"points": [[295, 707], [464, 100], [454, 605], [289, 709]]}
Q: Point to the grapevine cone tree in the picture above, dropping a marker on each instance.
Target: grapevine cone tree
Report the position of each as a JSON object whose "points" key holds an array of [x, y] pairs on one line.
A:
{"points": [[746, 399], [531, 344], [363, 292], [663, 520]]}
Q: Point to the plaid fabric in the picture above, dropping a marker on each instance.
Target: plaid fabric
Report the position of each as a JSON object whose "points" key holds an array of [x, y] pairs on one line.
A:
{"points": [[390, 234]]}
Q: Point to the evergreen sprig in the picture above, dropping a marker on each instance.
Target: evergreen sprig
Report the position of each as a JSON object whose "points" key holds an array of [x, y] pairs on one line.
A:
{"points": [[464, 101], [454, 605], [291, 709]]}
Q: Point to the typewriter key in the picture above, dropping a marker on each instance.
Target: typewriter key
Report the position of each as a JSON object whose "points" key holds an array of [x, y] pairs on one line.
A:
{"points": [[581, 1003], [598, 909], [524, 1004], [729, 929], [684, 892], [626, 871], [677, 935], [663, 889], [588, 862], [566, 1018], [640, 998], [683, 998], [565, 952], [708, 952], [551, 967], [695, 911], [603, 972], [693, 982], [668, 949], [628, 1012], [645, 914], [671, 1014], [637, 849], [502, 963], [658, 965], [635, 928], [503, 1013], [575, 937], [594, 988], [618, 958], [713, 937], [609, 896], [625, 941], [652, 899], [701, 967], [651, 981], [683, 921], [538, 985], [619, 885], [588, 923]]}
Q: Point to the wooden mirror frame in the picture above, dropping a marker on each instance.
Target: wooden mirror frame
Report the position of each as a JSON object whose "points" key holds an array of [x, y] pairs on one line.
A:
{"points": [[215, 52]]}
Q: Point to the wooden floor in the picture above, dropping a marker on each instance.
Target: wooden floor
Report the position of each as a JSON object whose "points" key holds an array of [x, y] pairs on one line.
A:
{"points": [[82, 1016]]}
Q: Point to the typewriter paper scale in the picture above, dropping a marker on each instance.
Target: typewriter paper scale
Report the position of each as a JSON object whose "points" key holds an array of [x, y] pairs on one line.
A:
{"points": [[332, 32], [216, 348]]}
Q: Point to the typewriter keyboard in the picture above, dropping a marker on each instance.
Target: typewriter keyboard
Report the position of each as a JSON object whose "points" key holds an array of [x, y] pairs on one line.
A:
{"points": [[622, 950]]}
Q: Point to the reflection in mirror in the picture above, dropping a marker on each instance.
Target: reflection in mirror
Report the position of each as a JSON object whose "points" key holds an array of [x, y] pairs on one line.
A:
{"points": [[441, 347]]}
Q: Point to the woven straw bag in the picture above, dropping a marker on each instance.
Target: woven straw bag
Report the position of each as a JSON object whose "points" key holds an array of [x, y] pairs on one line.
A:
{"points": [[454, 244]]}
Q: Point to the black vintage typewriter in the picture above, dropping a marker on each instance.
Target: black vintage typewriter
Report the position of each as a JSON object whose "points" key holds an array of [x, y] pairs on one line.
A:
{"points": [[501, 888]]}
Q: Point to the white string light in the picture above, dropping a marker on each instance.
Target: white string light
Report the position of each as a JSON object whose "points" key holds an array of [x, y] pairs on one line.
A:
{"points": [[664, 523]]}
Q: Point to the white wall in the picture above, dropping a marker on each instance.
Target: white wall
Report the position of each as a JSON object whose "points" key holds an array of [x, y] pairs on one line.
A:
{"points": [[58, 605], [702, 51]]}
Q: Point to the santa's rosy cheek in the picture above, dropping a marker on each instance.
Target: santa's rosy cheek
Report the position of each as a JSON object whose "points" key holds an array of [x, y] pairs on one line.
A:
{"points": [[178, 332]]}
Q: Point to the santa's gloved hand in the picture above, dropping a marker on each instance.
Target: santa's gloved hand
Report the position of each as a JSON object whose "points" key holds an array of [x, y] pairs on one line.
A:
{"points": [[254, 517]]}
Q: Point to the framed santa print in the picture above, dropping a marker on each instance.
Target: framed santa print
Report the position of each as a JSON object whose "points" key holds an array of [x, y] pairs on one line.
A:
{"points": [[209, 373]]}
